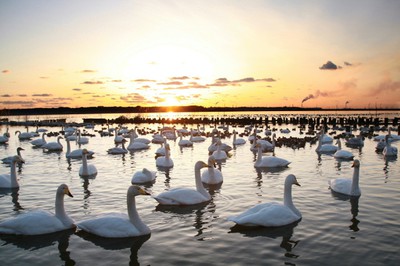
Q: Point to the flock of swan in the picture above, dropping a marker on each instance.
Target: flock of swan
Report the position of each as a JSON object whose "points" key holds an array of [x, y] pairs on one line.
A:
{"points": [[117, 225]]}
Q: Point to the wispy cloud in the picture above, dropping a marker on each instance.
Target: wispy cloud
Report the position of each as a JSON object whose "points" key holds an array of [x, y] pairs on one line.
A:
{"points": [[6, 95], [6, 71], [88, 71], [93, 82], [386, 86], [42, 95]]}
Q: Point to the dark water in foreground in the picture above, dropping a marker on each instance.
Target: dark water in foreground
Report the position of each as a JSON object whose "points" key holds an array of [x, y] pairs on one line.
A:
{"points": [[334, 230]]}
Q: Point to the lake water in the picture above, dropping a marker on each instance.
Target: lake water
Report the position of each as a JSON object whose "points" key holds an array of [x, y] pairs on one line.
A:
{"points": [[334, 230]]}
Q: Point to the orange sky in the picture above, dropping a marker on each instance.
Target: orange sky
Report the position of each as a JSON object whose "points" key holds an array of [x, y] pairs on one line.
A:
{"points": [[227, 53]]}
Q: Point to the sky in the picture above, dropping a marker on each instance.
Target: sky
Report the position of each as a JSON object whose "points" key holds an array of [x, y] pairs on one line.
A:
{"points": [[272, 53]]}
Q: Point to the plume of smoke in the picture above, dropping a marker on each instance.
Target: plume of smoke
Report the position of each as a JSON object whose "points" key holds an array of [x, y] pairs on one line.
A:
{"points": [[315, 95]]}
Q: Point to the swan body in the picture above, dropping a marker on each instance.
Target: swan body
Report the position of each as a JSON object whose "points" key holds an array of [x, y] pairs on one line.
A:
{"points": [[23, 135], [136, 145], [87, 170], [40, 141], [342, 154], [184, 142], [40, 222], [165, 161], [143, 176], [118, 150], [355, 142], [76, 154], [119, 225], [219, 154], [269, 161], [348, 186], [10, 180], [389, 150], [82, 140], [186, 196], [4, 139], [272, 214], [54, 145], [325, 148], [196, 138], [237, 141], [211, 175], [9, 159]]}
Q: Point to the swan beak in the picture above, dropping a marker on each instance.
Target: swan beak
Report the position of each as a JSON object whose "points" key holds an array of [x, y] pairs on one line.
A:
{"points": [[67, 192], [297, 184], [143, 192]]}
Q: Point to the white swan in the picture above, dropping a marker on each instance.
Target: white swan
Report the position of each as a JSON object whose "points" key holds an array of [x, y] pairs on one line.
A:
{"points": [[389, 151], [325, 148], [237, 141], [272, 214], [186, 196], [40, 141], [119, 225], [4, 139], [356, 141], [118, 138], [76, 154], [40, 222], [118, 150], [348, 186], [136, 145], [10, 180], [9, 159], [196, 138], [23, 135], [87, 170], [325, 139], [143, 176], [165, 161], [219, 154], [269, 161], [53, 146], [184, 142], [342, 154], [82, 140], [211, 175], [161, 151]]}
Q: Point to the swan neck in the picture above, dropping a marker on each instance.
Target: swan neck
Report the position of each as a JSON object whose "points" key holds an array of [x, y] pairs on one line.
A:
{"points": [[259, 155], [13, 175], [134, 217], [287, 198], [355, 181], [68, 146], [60, 211], [199, 185], [84, 165]]}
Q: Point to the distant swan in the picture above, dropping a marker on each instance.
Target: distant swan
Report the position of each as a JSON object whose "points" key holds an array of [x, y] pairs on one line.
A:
{"points": [[87, 170], [389, 150], [143, 176], [272, 214], [325, 148], [184, 142], [9, 159], [23, 135], [210, 174], [10, 180], [76, 154], [40, 222], [135, 145], [219, 154], [119, 225], [186, 196], [165, 161], [342, 154], [269, 161], [53, 146], [40, 141], [237, 141], [4, 139], [118, 150], [348, 186]]}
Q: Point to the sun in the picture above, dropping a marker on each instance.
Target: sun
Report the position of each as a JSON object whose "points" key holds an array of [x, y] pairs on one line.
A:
{"points": [[170, 101]]}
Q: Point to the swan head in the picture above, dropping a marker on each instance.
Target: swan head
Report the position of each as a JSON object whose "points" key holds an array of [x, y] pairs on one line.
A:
{"points": [[85, 151], [64, 190], [200, 164], [356, 164], [137, 190], [211, 161], [20, 149], [292, 180]]}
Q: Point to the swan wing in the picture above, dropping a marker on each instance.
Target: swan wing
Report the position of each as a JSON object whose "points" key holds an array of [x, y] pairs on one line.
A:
{"points": [[180, 196], [341, 185]]}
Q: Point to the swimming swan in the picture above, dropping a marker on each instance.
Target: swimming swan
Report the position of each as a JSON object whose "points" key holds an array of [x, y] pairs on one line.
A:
{"points": [[272, 214], [118, 225], [348, 186], [10, 180], [269, 161], [211, 175], [186, 196], [9, 159], [53, 146], [143, 176], [40, 222], [165, 161], [87, 170], [342, 154]]}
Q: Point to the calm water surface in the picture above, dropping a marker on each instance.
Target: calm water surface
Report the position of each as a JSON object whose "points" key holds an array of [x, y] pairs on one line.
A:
{"points": [[334, 230]]}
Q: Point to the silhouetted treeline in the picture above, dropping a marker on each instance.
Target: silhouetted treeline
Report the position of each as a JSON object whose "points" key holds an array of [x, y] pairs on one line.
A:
{"points": [[141, 109]]}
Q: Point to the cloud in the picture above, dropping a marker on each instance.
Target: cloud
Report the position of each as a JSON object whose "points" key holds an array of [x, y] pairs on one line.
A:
{"points": [[93, 82], [6, 95], [116, 80], [387, 86], [24, 103], [143, 80], [88, 71], [76, 89], [177, 83], [6, 71], [133, 98], [180, 78], [42, 95], [44, 77], [221, 82], [329, 66], [22, 95]]}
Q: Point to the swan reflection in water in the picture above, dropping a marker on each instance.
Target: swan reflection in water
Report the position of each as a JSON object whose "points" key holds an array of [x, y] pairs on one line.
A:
{"points": [[354, 200], [133, 243], [42, 241], [14, 197], [286, 232]]}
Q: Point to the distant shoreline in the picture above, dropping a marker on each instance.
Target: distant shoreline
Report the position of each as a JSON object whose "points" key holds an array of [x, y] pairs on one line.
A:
{"points": [[163, 109]]}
